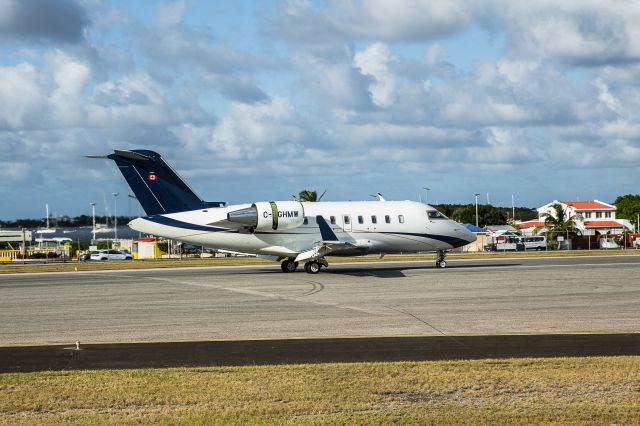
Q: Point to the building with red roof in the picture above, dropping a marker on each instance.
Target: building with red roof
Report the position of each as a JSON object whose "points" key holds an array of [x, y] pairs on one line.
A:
{"points": [[592, 217]]}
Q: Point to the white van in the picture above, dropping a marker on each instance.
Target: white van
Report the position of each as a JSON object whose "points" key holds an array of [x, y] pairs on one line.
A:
{"points": [[534, 243], [517, 243]]}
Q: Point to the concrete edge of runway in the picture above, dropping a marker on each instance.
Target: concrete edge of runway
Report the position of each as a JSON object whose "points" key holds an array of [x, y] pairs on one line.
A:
{"points": [[276, 265], [312, 351]]}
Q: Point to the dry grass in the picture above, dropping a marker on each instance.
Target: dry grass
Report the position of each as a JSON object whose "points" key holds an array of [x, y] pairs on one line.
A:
{"points": [[523, 391], [231, 261]]}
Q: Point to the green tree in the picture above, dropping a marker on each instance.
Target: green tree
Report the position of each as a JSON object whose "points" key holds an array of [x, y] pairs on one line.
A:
{"points": [[628, 207], [487, 215], [306, 195], [558, 222]]}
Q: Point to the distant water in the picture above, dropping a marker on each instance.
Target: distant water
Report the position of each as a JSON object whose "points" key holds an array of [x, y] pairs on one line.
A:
{"points": [[84, 234]]}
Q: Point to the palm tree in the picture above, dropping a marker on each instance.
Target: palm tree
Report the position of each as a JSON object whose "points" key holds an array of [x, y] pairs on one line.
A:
{"points": [[311, 196], [558, 222]]}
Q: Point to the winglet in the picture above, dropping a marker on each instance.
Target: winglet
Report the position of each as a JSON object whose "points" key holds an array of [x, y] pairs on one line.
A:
{"points": [[325, 230]]}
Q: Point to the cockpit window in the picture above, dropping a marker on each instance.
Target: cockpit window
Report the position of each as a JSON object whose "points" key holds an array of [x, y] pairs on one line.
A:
{"points": [[434, 214]]}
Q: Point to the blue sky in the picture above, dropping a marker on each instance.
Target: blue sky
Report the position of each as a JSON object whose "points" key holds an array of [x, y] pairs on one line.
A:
{"points": [[258, 100]]}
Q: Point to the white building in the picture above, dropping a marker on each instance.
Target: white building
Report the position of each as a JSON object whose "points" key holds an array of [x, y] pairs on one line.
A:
{"points": [[592, 217]]}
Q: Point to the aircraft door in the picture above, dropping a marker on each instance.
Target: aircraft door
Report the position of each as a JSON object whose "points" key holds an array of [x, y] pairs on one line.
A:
{"points": [[346, 223]]}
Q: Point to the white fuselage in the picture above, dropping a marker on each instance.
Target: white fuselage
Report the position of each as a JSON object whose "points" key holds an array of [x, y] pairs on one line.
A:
{"points": [[369, 226]]}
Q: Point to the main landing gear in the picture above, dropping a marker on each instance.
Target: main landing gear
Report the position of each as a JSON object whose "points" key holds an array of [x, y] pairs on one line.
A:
{"points": [[289, 265], [440, 262], [310, 267]]}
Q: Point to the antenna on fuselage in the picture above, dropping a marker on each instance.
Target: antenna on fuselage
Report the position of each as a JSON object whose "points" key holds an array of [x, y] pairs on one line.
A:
{"points": [[378, 196]]}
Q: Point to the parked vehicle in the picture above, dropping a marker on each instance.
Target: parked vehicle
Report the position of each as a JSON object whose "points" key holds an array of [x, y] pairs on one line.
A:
{"points": [[534, 243], [518, 243], [87, 256], [608, 243], [110, 255]]}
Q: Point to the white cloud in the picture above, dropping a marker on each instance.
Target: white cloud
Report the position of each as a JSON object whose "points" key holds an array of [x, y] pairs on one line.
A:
{"points": [[14, 171], [70, 76], [332, 80], [170, 14], [407, 19], [373, 61], [132, 99], [21, 95], [606, 97], [580, 32], [435, 54], [416, 20], [249, 130]]}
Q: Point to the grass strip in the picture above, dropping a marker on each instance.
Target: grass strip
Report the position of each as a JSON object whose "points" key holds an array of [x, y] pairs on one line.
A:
{"points": [[8, 268], [599, 390]]}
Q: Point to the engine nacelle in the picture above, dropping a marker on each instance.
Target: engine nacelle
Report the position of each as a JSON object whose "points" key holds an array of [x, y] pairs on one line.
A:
{"points": [[270, 216]]}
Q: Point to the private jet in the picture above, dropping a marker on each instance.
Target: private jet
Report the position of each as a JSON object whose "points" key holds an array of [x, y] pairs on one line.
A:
{"points": [[290, 232]]}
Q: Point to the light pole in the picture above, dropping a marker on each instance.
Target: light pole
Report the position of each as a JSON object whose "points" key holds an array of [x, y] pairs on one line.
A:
{"points": [[115, 214], [93, 221], [426, 199], [135, 198], [476, 194]]}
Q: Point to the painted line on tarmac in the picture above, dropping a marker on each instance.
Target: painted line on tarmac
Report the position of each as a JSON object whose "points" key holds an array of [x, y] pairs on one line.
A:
{"points": [[261, 294]]}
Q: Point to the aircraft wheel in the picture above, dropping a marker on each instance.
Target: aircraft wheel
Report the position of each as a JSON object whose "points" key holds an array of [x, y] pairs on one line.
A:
{"points": [[441, 264], [312, 267], [289, 266]]}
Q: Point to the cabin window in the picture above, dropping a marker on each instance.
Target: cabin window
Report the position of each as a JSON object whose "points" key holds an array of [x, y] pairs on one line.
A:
{"points": [[333, 220], [387, 219], [360, 220], [401, 218], [305, 221], [374, 219], [346, 220]]}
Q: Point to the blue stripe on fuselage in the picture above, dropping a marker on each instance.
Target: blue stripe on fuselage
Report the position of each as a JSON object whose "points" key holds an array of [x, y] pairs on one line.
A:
{"points": [[454, 241], [163, 220]]}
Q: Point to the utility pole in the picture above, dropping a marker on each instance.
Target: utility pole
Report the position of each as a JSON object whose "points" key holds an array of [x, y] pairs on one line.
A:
{"points": [[426, 197], [477, 194], [93, 219], [513, 208], [139, 213], [115, 214]]}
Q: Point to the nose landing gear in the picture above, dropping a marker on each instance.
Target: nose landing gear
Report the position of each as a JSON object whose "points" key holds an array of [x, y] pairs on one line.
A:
{"points": [[440, 262]]}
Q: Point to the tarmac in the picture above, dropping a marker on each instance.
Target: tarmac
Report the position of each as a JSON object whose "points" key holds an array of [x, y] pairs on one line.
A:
{"points": [[471, 299], [311, 351]]}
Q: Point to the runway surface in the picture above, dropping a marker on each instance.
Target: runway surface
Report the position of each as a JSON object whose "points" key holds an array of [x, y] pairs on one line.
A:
{"points": [[483, 297], [305, 351]]}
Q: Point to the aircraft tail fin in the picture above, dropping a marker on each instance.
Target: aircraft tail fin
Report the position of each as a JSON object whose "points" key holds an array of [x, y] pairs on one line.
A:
{"points": [[158, 188]]}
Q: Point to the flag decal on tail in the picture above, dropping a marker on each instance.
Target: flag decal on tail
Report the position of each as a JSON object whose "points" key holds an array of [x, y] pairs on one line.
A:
{"points": [[152, 176]]}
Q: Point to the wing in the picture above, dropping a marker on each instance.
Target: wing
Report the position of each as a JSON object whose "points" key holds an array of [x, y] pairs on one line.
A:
{"points": [[330, 243]]}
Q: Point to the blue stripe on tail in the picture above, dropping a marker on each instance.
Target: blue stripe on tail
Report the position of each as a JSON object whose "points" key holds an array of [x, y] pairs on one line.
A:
{"points": [[155, 184]]}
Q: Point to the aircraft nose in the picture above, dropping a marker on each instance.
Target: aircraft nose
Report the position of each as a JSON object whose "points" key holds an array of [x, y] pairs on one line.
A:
{"points": [[469, 236], [464, 234]]}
